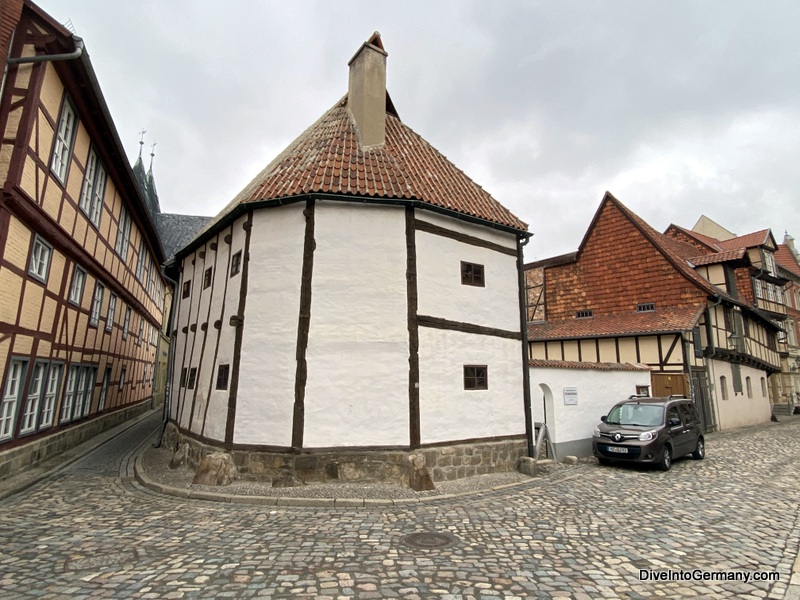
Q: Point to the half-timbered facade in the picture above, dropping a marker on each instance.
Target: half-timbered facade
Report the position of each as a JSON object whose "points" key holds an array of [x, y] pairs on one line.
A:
{"points": [[633, 295], [358, 300], [786, 391], [81, 294]]}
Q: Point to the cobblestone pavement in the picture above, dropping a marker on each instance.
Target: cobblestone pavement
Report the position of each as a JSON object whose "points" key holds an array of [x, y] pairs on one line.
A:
{"points": [[91, 531]]}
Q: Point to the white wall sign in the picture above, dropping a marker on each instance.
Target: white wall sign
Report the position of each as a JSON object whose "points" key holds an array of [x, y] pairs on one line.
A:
{"points": [[570, 395]]}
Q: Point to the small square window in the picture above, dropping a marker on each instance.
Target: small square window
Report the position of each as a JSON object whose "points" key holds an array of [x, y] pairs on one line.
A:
{"points": [[222, 377], [192, 378], [207, 278], [472, 274], [187, 288], [646, 307], [76, 288], [584, 314], [236, 263], [39, 265], [476, 377]]}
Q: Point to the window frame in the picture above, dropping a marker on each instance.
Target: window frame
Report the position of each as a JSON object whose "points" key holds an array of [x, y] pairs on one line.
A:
{"points": [[70, 387], [9, 402], [474, 380], [473, 274], [126, 323], [123, 241], [140, 262], [39, 241], [208, 277], [223, 376], [76, 295], [63, 147], [93, 189], [192, 378], [32, 404], [50, 402], [187, 289], [111, 312], [236, 263], [97, 304]]}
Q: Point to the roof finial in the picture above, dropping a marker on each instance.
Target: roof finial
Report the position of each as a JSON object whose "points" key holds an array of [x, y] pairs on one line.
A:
{"points": [[141, 140], [152, 154]]}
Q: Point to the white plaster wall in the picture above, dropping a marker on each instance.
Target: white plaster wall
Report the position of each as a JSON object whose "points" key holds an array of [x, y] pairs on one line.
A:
{"points": [[357, 387], [187, 315], [448, 412], [441, 293], [739, 410], [598, 391], [479, 231], [265, 397], [216, 418]]}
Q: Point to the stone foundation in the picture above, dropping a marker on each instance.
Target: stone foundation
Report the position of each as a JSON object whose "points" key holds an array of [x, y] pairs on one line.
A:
{"points": [[445, 463], [20, 459]]}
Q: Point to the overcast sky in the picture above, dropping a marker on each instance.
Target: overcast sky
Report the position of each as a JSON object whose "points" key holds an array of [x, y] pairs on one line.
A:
{"points": [[678, 108]]}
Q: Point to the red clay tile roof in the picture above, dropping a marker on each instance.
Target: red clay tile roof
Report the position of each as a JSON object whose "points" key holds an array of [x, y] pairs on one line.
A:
{"points": [[718, 257], [711, 243], [594, 366], [661, 321], [327, 158], [757, 238], [785, 258]]}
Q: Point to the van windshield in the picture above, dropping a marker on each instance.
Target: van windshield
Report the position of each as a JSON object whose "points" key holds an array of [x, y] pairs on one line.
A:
{"points": [[636, 415]]}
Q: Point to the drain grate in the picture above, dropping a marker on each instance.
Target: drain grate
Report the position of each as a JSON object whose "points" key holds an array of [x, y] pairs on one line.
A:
{"points": [[429, 539]]}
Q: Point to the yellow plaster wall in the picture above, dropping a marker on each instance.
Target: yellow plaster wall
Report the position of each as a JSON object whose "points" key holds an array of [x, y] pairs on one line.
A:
{"points": [[31, 306], [52, 92], [608, 351], [10, 291], [18, 244]]}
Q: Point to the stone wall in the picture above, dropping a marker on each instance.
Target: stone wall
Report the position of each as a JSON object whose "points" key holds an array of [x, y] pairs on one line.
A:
{"points": [[20, 459], [445, 463]]}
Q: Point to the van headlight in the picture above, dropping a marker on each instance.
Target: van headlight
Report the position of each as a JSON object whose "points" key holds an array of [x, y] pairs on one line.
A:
{"points": [[648, 436], [596, 432]]}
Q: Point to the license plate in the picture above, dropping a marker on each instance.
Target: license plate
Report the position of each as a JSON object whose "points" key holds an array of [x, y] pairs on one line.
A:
{"points": [[617, 449]]}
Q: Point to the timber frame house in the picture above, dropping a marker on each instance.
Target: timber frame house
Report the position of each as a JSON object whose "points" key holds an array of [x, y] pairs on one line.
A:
{"points": [[786, 385], [632, 294], [81, 291]]}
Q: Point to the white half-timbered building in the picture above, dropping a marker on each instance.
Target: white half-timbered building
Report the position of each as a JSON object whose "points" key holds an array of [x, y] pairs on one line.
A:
{"points": [[360, 299]]}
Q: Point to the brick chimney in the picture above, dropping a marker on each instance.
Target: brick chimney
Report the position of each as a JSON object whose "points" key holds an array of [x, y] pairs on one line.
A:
{"points": [[366, 94]]}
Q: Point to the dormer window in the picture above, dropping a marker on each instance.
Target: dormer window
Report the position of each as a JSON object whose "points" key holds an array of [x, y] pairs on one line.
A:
{"points": [[646, 307], [587, 313], [769, 262]]}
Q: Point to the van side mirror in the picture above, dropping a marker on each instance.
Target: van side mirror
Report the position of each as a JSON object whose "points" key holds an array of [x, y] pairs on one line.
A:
{"points": [[674, 422], [603, 418]]}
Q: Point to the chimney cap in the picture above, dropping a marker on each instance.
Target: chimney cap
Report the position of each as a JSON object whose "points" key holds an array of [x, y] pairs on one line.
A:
{"points": [[374, 42]]}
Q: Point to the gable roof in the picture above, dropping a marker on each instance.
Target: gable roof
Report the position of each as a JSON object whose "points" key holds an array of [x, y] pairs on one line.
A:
{"points": [[736, 255], [750, 240], [706, 241]]}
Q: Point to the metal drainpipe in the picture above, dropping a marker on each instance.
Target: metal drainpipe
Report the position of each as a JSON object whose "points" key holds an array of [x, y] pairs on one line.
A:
{"points": [[170, 363], [526, 375]]}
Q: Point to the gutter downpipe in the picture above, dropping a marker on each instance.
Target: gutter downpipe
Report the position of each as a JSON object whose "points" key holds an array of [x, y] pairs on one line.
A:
{"points": [[170, 363], [522, 240]]}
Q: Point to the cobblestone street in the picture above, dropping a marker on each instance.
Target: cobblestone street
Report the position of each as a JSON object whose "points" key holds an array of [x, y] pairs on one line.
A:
{"points": [[581, 532]]}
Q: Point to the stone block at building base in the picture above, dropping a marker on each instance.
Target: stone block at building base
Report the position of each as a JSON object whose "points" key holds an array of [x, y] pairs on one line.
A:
{"points": [[215, 469]]}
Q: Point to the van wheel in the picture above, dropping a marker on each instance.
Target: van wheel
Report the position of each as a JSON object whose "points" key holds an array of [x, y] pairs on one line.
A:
{"points": [[700, 451], [666, 458]]}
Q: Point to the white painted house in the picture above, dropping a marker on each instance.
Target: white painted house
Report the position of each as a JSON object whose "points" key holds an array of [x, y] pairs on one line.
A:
{"points": [[358, 301]]}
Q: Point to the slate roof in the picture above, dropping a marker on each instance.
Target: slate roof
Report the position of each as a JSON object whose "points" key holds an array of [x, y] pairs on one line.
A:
{"points": [[663, 320], [177, 230], [594, 366]]}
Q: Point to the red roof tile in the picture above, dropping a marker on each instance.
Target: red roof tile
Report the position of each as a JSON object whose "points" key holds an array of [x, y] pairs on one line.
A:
{"points": [[785, 258], [718, 257], [757, 238], [711, 243], [327, 158], [594, 366], [661, 321]]}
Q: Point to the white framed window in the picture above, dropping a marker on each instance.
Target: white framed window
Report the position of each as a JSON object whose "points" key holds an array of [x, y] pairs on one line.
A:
{"points": [[39, 264], [123, 234], [65, 138], [759, 289], [126, 323], [101, 404], [791, 334], [50, 395], [769, 262], [94, 188], [69, 394], [771, 292], [76, 288], [112, 308], [11, 392], [80, 394], [31, 411], [140, 264], [141, 331], [97, 303], [122, 377]]}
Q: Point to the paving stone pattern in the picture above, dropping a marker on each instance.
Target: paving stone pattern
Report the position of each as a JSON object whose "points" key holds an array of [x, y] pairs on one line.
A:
{"points": [[91, 531]]}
